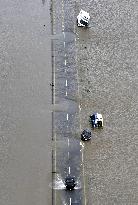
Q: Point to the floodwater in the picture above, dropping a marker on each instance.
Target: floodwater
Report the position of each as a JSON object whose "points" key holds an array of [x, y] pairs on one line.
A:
{"points": [[108, 84], [25, 103], [106, 58], [66, 134], [95, 69]]}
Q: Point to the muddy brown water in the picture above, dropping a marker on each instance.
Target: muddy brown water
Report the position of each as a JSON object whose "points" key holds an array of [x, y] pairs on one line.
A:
{"points": [[107, 65], [107, 58], [25, 99]]}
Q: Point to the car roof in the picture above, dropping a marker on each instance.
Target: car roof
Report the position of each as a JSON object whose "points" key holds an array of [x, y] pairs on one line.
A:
{"points": [[84, 13], [87, 130], [97, 114]]}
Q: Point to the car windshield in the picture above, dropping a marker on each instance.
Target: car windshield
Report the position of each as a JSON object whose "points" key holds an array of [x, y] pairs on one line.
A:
{"points": [[69, 179], [93, 117], [83, 22]]}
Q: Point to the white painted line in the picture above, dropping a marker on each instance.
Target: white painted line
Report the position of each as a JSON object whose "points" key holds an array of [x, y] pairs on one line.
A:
{"points": [[69, 170], [66, 83], [82, 157], [84, 188], [64, 34], [70, 201], [62, 27], [63, 15], [68, 142], [81, 144], [54, 60], [66, 93], [67, 116], [79, 107], [65, 62], [64, 44]]}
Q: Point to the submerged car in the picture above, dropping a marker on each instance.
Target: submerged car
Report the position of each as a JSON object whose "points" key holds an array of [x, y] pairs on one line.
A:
{"points": [[70, 182], [83, 18], [86, 135], [96, 120]]}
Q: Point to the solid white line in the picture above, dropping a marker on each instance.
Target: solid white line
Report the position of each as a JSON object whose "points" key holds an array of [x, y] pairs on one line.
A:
{"points": [[66, 83], [82, 157], [62, 27], [69, 170], [62, 15], [79, 107], [83, 179], [55, 142], [70, 201], [65, 62], [66, 93], [64, 34], [67, 116], [54, 60]]}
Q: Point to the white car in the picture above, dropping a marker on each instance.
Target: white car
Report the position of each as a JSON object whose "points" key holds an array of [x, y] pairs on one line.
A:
{"points": [[83, 18], [96, 120]]}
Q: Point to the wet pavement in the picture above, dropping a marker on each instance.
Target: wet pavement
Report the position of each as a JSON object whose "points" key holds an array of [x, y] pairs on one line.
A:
{"points": [[25, 103], [67, 149]]}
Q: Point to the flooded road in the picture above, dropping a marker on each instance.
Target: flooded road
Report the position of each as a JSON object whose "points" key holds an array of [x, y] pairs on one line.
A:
{"points": [[107, 83], [92, 70], [67, 150], [25, 103]]}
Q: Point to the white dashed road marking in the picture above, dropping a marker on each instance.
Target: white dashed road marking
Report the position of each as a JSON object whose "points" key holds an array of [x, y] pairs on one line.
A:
{"points": [[65, 62], [70, 201], [67, 116], [69, 170], [66, 83]]}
